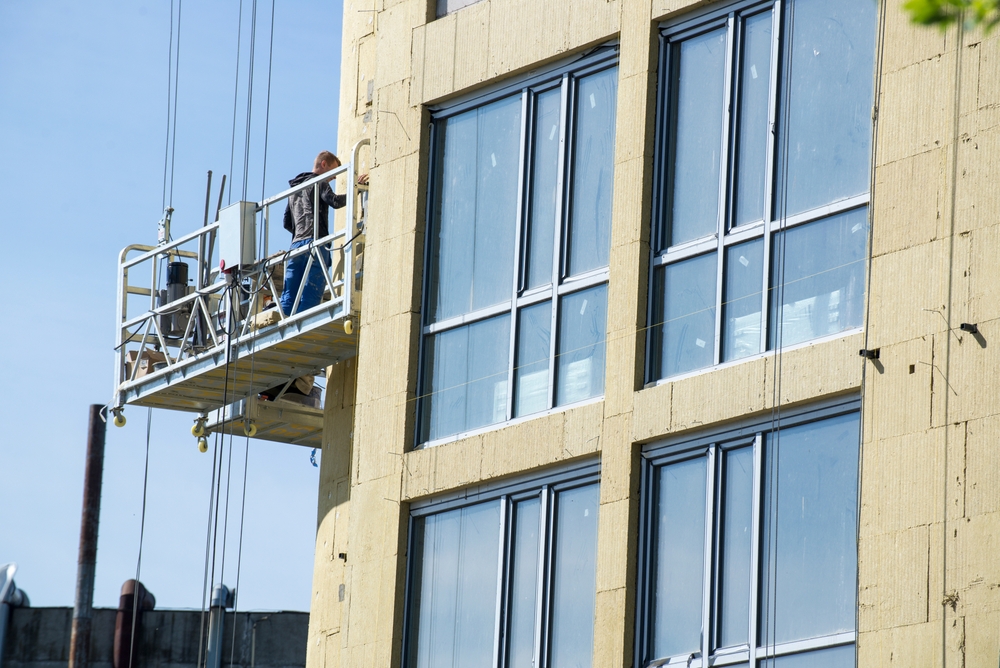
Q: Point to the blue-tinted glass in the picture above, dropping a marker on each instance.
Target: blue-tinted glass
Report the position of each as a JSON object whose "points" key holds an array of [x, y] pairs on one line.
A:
{"points": [[700, 71], [751, 143], [680, 558], [737, 543], [465, 377], [583, 319], [742, 303], [825, 127], [574, 580], [684, 316], [593, 172], [544, 188], [532, 373], [475, 209], [809, 547], [834, 657], [524, 584], [818, 278], [455, 589]]}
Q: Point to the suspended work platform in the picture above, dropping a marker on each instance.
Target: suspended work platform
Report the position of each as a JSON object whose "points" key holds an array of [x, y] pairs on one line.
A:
{"points": [[200, 326], [284, 420]]}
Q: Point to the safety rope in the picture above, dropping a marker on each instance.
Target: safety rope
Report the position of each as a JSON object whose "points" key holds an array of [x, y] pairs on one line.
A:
{"points": [[876, 98]]}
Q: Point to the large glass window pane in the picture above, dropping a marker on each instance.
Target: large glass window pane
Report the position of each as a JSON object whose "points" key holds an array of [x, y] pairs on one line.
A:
{"points": [[583, 319], [834, 657], [475, 209], [465, 372], [680, 558], [593, 172], [696, 140], [809, 547], [524, 585], [532, 373], [735, 547], [684, 316], [455, 587], [574, 578], [824, 139], [544, 188], [742, 303], [818, 278], [751, 143]]}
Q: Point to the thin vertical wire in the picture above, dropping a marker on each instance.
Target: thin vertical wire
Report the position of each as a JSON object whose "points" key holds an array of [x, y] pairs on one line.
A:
{"points": [[236, 90], [177, 72], [170, 79], [142, 533]]}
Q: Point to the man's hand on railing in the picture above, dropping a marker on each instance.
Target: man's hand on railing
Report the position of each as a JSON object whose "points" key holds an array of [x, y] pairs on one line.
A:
{"points": [[363, 180]]}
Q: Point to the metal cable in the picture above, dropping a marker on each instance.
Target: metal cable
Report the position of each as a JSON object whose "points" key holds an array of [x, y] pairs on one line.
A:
{"points": [[246, 141], [876, 94], [177, 73], [142, 533], [236, 90], [170, 78]]}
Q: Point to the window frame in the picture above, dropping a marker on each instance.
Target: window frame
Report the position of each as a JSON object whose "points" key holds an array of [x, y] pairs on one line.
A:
{"points": [[508, 492], [774, 220], [561, 75], [711, 444]]}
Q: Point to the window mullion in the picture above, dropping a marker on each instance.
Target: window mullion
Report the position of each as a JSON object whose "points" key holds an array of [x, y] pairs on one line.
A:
{"points": [[544, 574], [724, 173], [772, 115], [518, 253], [557, 237], [502, 562], [758, 459], [706, 607]]}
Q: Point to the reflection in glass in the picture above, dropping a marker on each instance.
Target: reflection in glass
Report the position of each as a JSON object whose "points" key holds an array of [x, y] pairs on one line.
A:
{"points": [[751, 143], [531, 376], [593, 172], [809, 546], [455, 587], [683, 323], [825, 145], [680, 558], [741, 305], [465, 372], [475, 209], [834, 657], [823, 266], [737, 543], [699, 78], [544, 188], [574, 580], [582, 323], [524, 584]]}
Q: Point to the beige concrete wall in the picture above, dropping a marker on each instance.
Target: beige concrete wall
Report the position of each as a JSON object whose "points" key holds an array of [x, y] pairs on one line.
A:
{"points": [[917, 463], [927, 554]]}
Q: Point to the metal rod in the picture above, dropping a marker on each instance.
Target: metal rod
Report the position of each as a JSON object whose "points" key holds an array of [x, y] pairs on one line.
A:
{"points": [[86, 565]]}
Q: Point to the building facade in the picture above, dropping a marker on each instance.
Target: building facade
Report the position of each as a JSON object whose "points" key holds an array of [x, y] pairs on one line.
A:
{"points": [[608, 407]]}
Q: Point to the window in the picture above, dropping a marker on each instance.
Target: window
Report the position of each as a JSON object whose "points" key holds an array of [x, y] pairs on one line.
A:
{"points": [[761, 192], [519, 229], [505, 578], [748, 548]]}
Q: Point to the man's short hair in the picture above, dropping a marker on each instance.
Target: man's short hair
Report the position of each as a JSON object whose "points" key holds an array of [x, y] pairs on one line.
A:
{"points": [[327, 157]]}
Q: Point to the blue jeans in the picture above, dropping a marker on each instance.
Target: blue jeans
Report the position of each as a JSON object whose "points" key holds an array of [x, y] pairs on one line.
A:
{"points": [[295, 268]]}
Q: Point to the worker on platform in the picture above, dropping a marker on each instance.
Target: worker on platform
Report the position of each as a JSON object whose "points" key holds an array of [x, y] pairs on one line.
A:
{"points": [[299, 221]]}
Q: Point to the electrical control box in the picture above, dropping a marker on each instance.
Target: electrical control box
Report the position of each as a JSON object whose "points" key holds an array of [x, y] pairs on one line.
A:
{"points": [[237, 235]]}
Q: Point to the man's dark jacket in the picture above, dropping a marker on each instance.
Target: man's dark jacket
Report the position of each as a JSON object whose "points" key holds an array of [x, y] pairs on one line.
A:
{"points": [[299, 211]]}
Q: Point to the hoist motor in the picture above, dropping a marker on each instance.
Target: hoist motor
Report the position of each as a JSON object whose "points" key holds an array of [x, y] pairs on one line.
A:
{"points": [[174, 323]]}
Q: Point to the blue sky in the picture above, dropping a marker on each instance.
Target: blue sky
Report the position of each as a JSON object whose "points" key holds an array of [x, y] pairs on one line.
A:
{"points": [[83, 115]]}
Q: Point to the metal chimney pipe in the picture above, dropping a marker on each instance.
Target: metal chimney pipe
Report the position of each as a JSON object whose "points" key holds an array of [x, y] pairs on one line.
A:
{"points": [[222, 598], [135, 598], [83, 606], [10, 597]]}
